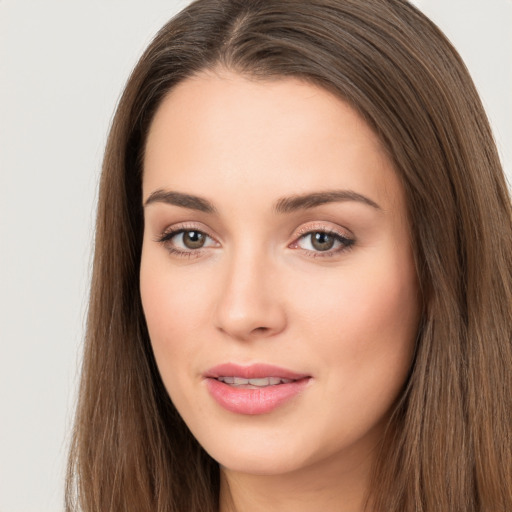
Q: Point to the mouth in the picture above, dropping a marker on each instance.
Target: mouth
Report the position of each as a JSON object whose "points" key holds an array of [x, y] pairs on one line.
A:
{"points": [[258, 374], [240, 382], [254, 389]]}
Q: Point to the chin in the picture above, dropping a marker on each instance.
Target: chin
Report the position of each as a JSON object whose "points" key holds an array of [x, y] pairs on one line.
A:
{"points": [[260, 464], [261, 454]]}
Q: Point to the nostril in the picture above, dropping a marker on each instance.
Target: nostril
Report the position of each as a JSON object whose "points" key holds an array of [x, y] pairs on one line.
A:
{"points": [[260, 330]]}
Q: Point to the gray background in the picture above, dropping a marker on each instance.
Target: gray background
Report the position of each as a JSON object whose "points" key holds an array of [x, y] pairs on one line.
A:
{"points": [[62, 67]]}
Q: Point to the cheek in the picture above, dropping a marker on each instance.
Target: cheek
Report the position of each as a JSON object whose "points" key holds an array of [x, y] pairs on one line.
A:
{"points": [[364, 319], [364, 327], [174, 309], [169, 307]]}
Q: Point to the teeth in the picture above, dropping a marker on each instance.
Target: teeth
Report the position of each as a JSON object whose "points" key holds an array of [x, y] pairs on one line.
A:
{"points": [[262, 382]]}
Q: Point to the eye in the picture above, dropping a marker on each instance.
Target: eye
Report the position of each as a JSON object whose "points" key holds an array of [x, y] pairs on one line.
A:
{"points": [[186, 241], [323, 241], [320, 241], [190, 239]]}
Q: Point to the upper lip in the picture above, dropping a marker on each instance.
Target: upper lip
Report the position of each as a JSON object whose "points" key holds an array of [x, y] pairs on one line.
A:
{"points": [[252, 371]]}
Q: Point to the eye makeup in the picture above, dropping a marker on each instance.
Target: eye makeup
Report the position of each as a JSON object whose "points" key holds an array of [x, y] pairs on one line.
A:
{"points": [[319, 240], [314, 240], [186, 240]]}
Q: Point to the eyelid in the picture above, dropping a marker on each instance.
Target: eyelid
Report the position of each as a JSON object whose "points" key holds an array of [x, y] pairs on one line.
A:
{"points": [[344, 236], [173, 230], [184, 226], [326, 227]]}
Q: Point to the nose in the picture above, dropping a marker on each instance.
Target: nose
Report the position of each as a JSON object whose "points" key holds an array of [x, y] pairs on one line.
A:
{"points": [[249, 305]]}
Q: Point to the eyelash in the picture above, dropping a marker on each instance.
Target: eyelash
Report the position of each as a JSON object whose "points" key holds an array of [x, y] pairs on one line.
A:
{"points": [[166, 237], [345, 243]]}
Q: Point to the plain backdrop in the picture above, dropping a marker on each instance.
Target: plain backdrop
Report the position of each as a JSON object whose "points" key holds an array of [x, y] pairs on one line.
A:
{"points": [[62, 67]]}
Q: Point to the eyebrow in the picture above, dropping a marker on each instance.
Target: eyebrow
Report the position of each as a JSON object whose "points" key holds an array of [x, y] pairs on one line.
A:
{"points": [[180, 199], [283, 205], [311, 200]]}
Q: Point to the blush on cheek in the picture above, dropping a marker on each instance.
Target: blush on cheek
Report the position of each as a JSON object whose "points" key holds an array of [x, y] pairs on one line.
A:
{"points": [[381, 315], [169, 317]]}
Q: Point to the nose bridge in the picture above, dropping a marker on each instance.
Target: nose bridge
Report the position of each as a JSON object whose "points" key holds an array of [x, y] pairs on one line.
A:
{"points": [[249, 303]]}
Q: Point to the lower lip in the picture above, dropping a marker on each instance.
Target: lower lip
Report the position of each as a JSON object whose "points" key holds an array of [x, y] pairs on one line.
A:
{"points": [[254, 401]]}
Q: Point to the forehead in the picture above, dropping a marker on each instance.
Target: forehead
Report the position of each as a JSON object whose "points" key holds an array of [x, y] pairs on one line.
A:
{"points": [[285, 135]]}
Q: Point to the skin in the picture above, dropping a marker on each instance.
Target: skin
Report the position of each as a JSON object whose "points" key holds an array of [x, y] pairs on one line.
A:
{"points": [[260, 291]]}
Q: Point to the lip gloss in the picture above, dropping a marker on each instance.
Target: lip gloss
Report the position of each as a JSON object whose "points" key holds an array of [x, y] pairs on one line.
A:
{"points": [[253, 400]]}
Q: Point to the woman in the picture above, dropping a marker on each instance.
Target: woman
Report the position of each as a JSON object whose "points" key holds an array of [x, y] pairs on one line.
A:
{"points": [[302, 284]]}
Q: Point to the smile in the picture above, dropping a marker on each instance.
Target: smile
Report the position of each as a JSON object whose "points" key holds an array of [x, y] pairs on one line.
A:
{"points": [[254, 389], [253, 383]]}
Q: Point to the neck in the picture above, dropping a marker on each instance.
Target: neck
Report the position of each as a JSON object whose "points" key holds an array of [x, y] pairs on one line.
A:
{"points": [[329, 487]]}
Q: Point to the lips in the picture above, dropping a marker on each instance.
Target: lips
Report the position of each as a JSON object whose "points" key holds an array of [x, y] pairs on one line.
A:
{"points": [[254, 389], [253, 383]]}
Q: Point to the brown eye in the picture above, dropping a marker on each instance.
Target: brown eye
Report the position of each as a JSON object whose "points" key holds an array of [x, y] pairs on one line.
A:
{"points": [[322, 241], [186, 241], [328, 242], [193, 239]]}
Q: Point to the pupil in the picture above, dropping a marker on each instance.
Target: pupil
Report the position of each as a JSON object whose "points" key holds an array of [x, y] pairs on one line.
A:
{"points": [[322, 241], [193, 239]]}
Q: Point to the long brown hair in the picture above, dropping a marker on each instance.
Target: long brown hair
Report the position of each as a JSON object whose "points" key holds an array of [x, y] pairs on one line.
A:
{"points": [[449, 444]]}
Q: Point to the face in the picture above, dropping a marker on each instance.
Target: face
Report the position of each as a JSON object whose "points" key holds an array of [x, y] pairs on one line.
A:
{"points": [[277, 276]]}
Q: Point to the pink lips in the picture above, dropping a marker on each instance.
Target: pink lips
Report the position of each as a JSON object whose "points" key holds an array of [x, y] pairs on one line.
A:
{"points": [[247, 400]]}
